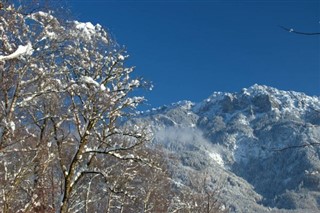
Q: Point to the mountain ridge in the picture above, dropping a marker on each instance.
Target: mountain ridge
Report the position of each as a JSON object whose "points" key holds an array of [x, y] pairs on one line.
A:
{"points": [[253, 91], [256, 144]]}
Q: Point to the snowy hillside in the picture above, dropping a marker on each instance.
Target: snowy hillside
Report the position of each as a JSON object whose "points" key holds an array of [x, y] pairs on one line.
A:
{"points": [[259, 146]]}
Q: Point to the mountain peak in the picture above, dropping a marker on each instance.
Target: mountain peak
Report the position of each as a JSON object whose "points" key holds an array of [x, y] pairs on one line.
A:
{"points": [[258, 89], [260, 98]]}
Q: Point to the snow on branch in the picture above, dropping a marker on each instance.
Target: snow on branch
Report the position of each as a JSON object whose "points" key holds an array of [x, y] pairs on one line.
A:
{"points": [[21, 50], [87, 30], [89, 80]]}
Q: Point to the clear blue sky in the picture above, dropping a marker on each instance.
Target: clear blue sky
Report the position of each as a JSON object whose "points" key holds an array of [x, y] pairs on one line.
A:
{"points": [[189, 49]]}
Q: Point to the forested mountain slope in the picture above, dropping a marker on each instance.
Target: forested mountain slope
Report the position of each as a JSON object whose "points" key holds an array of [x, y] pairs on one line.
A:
{"points": [[259, 147]]}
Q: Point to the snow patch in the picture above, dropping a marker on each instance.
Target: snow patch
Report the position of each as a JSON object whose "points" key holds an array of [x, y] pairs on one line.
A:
{"points": [[87, 29], [89, 80], [21, 50], [121, 57], [102, 87], [12, 125], [217, 158]]}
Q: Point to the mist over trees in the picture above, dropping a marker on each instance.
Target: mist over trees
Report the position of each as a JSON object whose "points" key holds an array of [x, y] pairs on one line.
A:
{"points": [[65, 92]]}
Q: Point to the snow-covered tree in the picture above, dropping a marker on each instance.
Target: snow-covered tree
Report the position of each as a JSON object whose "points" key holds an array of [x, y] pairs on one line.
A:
{"points": [[65, 99], [64, 88]]}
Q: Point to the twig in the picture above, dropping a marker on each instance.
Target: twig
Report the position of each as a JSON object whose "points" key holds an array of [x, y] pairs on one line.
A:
{"points": [[297, 32], [298, 146]]}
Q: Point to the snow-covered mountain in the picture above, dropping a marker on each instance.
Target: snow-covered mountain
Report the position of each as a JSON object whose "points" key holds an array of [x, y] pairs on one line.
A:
{"points": [[260, 147]]}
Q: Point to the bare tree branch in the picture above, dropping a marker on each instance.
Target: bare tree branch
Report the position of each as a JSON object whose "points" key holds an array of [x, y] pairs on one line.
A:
{"points": [[298, 32], [297, 146]]}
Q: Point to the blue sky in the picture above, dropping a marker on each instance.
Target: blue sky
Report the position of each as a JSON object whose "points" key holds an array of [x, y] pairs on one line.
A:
{"points": [[189, 49]]}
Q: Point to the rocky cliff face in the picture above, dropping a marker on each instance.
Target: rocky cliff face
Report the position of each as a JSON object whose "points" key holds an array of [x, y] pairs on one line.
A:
{"points": [[260, 146]]}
